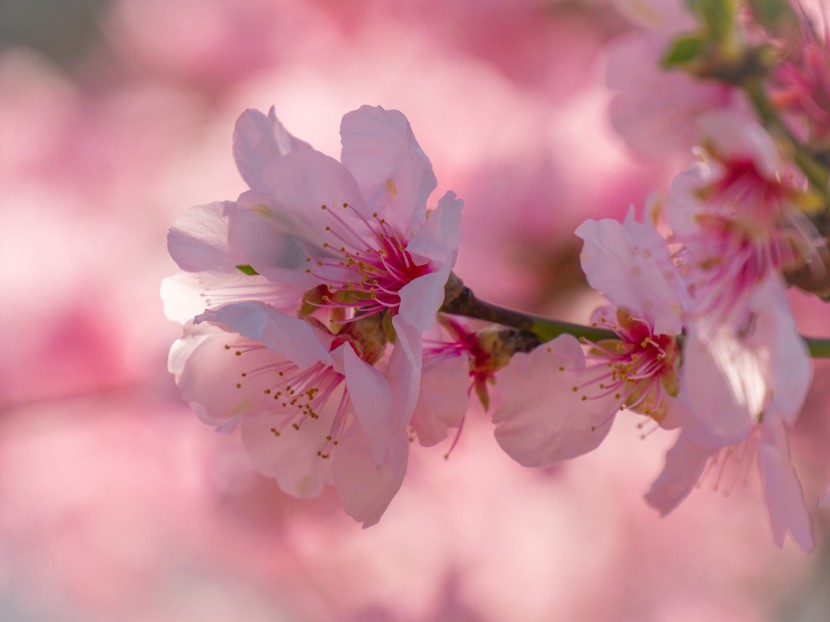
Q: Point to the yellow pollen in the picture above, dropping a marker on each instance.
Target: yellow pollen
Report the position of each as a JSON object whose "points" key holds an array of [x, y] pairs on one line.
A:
{"points": [[275, 431]]}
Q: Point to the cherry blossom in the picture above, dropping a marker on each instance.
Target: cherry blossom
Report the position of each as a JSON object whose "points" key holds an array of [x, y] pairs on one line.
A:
{"points": [[558, 401], [359, 230], [739, 215]]}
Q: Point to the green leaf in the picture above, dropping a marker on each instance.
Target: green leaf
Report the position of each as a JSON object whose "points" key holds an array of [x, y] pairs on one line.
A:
{"points": [[247, 269], [776, 16], [682, 50]]}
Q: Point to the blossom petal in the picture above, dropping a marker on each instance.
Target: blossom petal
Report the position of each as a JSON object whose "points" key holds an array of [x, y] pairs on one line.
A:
{"points": [[541, 420], [187, 294], [685, 463], [437, 240], [782, 490], [291, 336], [404, 372], [630, 264], [257, 140], [391, 169], [366, 486], [198, 240], [722, 388], [286, 454], [209, 375], [442, 401], [371, 398], [786, 362], [734, 136]]}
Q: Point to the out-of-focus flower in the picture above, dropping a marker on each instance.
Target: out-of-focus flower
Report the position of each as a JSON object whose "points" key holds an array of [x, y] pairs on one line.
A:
{"points": [[742, 383], [655, 109], [558, 402], [740, 215]]}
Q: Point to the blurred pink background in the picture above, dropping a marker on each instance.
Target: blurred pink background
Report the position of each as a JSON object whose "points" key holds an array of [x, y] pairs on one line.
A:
{"points": [[116, 504]]}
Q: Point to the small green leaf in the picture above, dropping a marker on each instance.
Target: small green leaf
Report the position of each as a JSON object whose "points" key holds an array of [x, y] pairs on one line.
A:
{"points": [[247, 269], [682, 50], [717, 16]]}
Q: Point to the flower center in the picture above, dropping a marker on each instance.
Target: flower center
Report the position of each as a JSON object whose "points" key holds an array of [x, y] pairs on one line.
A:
{"points": [[366, 265], [750, 226], [637, 369]]}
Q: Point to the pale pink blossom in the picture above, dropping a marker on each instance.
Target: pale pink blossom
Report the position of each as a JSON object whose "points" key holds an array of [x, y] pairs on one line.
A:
{"points": [[359, 229], [559, 402]]}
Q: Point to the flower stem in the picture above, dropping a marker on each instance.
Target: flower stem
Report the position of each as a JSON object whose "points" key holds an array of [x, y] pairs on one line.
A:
{"points": [[460, 300]]}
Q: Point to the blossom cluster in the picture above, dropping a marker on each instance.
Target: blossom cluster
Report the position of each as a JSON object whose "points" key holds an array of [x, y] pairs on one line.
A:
{"points": [[322, 317]]}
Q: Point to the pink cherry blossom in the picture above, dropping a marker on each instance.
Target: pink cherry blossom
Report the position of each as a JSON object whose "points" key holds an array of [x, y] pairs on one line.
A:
{"points": [[559, 402], [358, 229]]}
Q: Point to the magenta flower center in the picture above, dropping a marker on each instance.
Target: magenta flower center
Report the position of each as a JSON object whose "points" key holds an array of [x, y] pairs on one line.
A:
{"points": [[636, 368], [366, 266]]}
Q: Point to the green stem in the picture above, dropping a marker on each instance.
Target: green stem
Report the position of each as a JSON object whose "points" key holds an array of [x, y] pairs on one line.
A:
{"points": [[462, 301]]}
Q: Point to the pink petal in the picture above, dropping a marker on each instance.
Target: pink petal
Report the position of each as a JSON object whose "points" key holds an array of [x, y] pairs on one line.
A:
{"points": [[290, 457], [683, 206], [273, 242], [365, 485], [422, 297], [404, 372], [187, 294], [391, 169], [722, 388], [198, 240], [442, 401], [437, 240], [684, 466], [629, 264], [782, 490], [371, 399], [541, 420], [292, 337], [257, 140], [207, 374], [784, 357], [734, 136]]}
